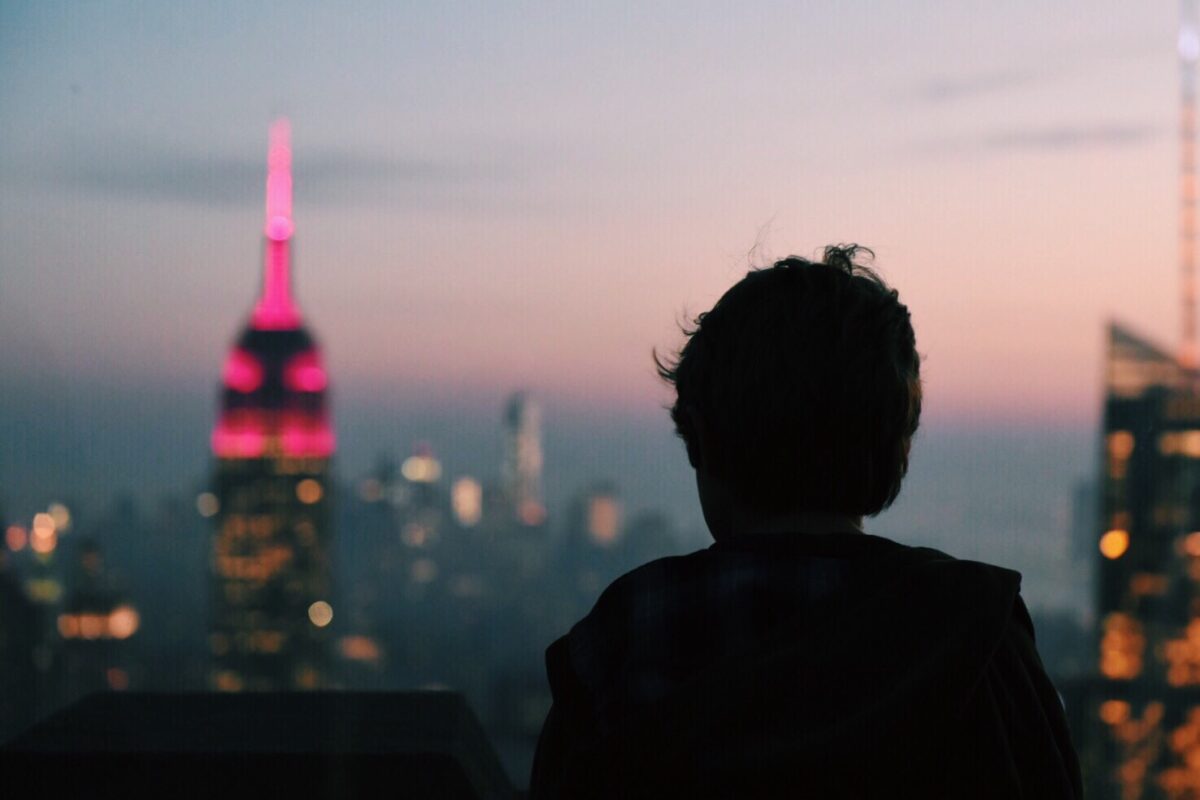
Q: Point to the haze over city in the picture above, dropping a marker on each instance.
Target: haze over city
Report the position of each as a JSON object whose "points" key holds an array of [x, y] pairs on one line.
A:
{"points": [[534, 199]]}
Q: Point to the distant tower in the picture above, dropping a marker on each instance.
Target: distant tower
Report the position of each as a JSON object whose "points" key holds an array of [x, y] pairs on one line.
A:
{"points": [[94, 623], [270, 562], [1189, 52], [521, 469]]}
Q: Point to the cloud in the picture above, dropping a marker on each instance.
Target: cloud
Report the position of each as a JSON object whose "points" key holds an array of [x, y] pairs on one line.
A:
{"points": [[134, 170], [1051, 65], [944, 90], [1069, 137], [1051, 139]]}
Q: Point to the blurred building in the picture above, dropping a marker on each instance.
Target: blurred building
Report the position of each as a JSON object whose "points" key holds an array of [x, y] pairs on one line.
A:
{"points": [[270, 563], [19, 638], [95, 624], [521, 468], [1141, 736]]}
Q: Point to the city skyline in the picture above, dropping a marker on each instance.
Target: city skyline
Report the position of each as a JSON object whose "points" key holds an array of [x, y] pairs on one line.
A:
{"points": [[501, 217]]}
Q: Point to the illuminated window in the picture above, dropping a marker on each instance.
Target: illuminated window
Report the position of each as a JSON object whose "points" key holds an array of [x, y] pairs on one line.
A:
{"points": [[1114, 712], [604, 519], [207, 504], [1184, 780], [123, 622], [1148, 584], [360, 648], [320, 613], [60, 515], [45, 534], [1120, 445], [1114, 543], [466, 498], [228, 681], [421, 468], [309, 491], [118, 679], [1121, 647], [16, 538], [68, 626]]}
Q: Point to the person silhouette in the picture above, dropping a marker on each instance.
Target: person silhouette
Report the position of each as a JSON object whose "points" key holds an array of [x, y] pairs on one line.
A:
{"points": [[799, 655]]}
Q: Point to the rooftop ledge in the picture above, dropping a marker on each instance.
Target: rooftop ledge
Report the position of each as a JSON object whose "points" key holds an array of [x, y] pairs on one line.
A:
{"points": [[315, 744]]}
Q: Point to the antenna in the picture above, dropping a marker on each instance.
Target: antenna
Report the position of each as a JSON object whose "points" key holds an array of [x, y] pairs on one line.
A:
{"points": [[275, 309], [1189, 52], [279, 182]]}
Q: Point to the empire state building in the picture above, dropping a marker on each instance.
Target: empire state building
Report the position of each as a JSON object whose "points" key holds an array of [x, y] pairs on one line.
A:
{"points": [[270, 611]]}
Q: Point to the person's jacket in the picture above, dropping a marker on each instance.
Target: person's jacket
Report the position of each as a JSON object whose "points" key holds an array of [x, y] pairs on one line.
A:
{"points": [[838, 665]]}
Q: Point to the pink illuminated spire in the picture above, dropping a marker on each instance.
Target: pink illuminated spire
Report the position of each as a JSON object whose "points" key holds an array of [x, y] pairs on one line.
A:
{"points": [[275, 309]]}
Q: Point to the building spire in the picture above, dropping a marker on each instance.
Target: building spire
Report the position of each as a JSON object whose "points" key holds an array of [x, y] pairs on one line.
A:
{"points": [[275, 309]]}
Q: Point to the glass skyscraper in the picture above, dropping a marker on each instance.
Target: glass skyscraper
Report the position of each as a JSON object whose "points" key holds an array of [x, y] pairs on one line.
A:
{"points": [[1145, 714]]}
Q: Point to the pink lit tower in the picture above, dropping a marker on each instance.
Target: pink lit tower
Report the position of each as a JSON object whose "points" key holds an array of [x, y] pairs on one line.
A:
{"points": [[270, 562]]}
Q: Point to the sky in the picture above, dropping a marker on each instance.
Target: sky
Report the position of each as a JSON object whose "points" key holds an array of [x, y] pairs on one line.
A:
{"points": [[491, 196]]}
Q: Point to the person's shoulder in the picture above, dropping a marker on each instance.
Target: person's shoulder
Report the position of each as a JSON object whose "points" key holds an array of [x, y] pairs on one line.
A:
{"points": [[655, 581], [928, 561], [659, 572]]}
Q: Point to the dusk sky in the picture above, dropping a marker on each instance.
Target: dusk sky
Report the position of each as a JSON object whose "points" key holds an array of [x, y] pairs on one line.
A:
{"points": [[491, 196]]}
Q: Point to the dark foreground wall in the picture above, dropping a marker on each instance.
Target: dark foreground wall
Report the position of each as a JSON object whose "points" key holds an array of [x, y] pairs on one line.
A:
{"points": [[328, 745]]}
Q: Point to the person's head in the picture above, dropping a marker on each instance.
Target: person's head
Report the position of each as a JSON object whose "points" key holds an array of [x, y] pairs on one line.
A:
{"points": [[799, 391]]}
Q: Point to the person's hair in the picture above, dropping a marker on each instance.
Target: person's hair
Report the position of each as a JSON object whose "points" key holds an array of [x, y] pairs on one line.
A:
{"points": [[806, 379]]}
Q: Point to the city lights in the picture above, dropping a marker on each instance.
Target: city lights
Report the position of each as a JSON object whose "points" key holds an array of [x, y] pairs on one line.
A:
{"points": [[1120, 444], [320, 613], [309, 491], [16, 537], [1114, 712], [604, 519], [45, 535], [207, 504], [1122, 646], [60, 515], [421, 468], [304, 373], [243, 371], [121, 622], [466, 499], [118, 679], [360, 648], [1114, 543]]}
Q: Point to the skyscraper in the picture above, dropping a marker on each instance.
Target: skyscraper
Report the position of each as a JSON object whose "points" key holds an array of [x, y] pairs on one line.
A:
{"points": [[1142, 729], [1147, 708], [95, 623], [270, 560], [521, 468]]}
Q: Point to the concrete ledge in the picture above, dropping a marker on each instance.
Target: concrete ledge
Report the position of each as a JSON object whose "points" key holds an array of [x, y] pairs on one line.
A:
{"points": [[322, 744]]}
